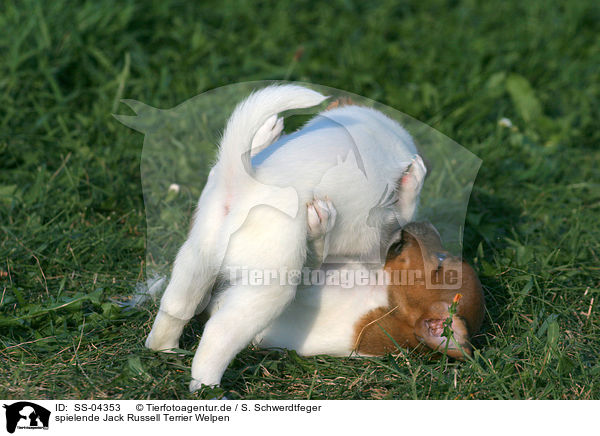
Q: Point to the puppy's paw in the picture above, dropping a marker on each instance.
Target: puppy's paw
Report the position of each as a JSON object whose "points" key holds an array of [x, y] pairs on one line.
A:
{"points": [[157, 343], [321, 217], [165, 332], [268, 133], [196, 385], [206, 392], [412, 179]]}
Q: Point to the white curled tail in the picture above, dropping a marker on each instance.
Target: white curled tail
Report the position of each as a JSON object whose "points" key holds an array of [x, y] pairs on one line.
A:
{"points": [[249, 116]]}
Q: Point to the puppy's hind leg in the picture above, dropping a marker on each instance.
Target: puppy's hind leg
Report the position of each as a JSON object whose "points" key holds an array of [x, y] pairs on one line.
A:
{"points": [[200, 257], [267, 134], [191, 280], [193, 276], [272, 248]]}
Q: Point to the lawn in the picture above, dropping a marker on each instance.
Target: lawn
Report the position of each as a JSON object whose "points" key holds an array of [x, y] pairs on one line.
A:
{"points": [[72, 219]]}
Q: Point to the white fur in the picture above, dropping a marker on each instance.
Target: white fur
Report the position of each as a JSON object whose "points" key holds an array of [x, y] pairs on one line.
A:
{"points": [[322, 319], [249, 215]]}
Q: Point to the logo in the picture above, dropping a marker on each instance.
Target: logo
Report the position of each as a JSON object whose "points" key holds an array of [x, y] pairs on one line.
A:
{"points": [[26, 415]]}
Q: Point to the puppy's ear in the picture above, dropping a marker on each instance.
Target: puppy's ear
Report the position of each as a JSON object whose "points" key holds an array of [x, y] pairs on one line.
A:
{"points": [[395, 244], [400, 241], [426, 232], [409, 237]]}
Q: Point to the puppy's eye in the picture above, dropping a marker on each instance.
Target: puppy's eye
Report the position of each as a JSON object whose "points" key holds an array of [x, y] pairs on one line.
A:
{"points": [[396, 248], [441, 257]]}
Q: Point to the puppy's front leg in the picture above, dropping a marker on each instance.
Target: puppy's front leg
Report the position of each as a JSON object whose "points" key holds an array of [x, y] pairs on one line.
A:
{"points": [[321, 215]]}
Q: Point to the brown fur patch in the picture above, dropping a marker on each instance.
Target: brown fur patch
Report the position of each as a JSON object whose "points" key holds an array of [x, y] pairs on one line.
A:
{"points": [[414, 308]]}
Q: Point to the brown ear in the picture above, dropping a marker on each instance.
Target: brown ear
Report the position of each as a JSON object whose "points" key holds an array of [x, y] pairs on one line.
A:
{"points": [[426, 234], [404, 245], [409, 238], [429, 329]]}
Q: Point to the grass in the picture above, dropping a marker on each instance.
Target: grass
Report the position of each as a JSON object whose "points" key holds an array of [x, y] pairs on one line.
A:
{"points": [[72, 224]]}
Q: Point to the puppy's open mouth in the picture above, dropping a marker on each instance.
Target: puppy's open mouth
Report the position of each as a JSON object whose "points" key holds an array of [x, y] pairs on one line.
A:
{"points": [[435, 326]]}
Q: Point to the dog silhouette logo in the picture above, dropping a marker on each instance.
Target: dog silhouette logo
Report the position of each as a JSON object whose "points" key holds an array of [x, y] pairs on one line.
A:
{"points": [[26, 415]]}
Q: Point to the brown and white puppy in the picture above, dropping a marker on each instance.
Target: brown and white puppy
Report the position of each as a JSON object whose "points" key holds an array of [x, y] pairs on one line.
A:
{"points": [[362, 311], [418, 308]]}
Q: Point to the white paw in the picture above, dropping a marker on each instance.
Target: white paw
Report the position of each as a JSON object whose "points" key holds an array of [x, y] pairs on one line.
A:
{"points": [[155, 344], [321, 215], [268, 133], [165, 332], [198, 384], [412, 179], [195, 385]]}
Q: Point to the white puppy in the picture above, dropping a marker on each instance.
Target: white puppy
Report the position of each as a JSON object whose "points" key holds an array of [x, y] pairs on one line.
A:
{"points": [[248, 216]]}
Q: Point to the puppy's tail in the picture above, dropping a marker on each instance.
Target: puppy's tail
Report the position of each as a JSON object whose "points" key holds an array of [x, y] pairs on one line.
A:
{"points": [[249, 116]]}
